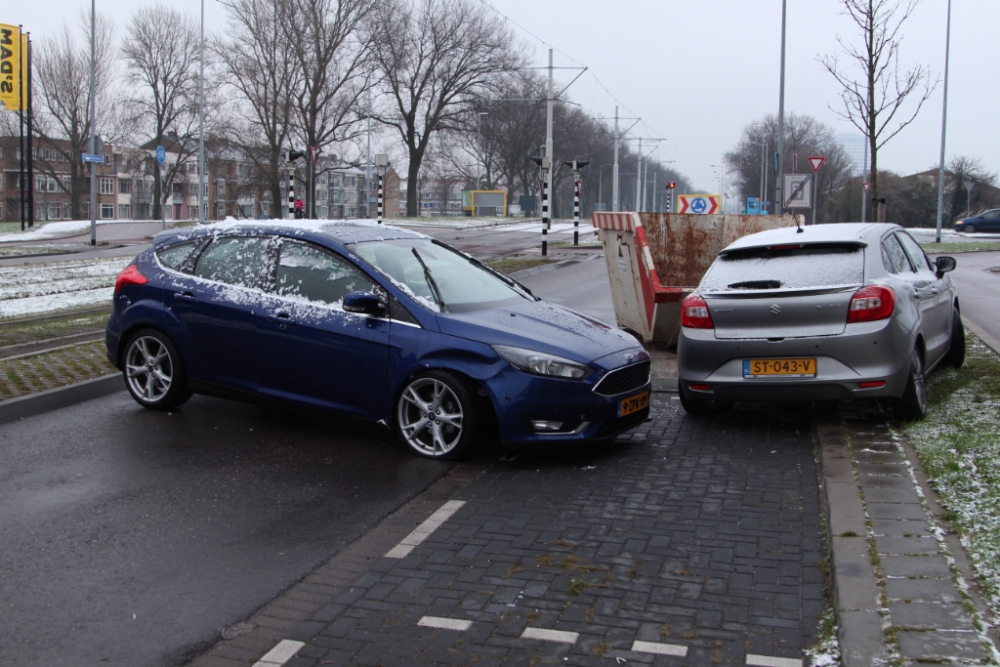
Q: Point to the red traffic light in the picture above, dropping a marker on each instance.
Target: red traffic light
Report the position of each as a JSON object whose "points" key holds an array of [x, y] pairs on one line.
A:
{"points": [[671, 185]]}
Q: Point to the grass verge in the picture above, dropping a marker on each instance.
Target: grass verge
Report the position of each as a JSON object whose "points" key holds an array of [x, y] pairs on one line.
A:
{"points": [[29, 331], [959, 446], [952, 248], [508, 265]]}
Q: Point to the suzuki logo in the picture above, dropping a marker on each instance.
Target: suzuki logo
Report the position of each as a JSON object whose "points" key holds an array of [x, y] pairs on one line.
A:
{"points": [[775, 309]]}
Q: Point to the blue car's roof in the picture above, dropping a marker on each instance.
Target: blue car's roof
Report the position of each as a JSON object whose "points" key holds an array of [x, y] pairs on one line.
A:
{"points": [[340, 231]]}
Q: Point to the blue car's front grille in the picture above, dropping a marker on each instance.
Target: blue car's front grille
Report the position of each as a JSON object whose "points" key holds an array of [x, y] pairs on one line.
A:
{"points": [[624, 380]]}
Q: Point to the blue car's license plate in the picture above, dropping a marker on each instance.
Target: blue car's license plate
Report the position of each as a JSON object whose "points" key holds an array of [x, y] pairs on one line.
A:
{"points": [[633, 404]]}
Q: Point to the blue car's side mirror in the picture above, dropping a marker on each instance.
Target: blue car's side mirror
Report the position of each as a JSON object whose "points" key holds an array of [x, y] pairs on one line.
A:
{"points": [[362, 302]]}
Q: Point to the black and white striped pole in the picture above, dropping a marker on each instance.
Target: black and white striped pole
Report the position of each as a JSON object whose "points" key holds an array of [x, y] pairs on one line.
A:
{"points": [[381, 161], [290, 157], [576, 166], [544, 163]]}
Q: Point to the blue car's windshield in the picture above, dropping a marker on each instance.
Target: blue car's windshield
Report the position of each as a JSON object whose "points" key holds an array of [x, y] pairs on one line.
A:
{"points": [[438, 277]]}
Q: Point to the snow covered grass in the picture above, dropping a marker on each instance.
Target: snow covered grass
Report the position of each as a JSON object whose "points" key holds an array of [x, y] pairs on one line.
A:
{"points": [[27, 290], [53, 230], [959, 447], [945, 248]]}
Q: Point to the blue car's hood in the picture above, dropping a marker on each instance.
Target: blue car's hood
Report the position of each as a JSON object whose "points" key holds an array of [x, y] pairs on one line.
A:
{"points": [[540, 326]]}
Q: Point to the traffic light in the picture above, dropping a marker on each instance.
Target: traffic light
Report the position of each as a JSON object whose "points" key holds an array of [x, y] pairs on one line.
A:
{"points": [[292, 156], [671, 185], [670, 196]]}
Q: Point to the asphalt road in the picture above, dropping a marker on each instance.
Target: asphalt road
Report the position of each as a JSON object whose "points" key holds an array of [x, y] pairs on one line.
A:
{"points": [[979, 289], [132, 537]]}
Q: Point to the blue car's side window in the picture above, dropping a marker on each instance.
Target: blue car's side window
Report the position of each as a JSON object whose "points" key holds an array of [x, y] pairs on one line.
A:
{"points": [[235, 260], [309, 273]]}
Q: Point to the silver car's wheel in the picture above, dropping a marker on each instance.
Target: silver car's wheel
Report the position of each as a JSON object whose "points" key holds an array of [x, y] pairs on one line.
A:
{"points": [[435, 416], [153, 371], [912, 404]]}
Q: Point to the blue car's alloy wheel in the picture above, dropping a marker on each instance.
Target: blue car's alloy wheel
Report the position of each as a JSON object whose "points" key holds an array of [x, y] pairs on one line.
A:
{"points": [[153, 372], [435, 416]]}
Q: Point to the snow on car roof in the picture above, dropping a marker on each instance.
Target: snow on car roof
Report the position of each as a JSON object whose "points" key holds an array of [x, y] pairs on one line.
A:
{"points": [[343, 231], [847, 232]]}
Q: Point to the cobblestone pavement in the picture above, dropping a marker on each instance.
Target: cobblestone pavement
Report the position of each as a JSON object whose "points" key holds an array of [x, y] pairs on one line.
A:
{"points": [[689, 542], [37, 371]]}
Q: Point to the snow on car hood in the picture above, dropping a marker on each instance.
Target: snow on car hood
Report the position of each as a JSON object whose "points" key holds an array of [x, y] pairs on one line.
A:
{"points": [[540, 326]]}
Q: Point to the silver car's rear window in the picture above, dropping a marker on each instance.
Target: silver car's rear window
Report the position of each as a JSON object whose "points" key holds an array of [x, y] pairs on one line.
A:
{"points": [[786, 267]]}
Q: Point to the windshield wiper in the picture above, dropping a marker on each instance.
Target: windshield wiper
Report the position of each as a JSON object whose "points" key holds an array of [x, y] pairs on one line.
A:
{"points": [[756, 284], [430, 279]]}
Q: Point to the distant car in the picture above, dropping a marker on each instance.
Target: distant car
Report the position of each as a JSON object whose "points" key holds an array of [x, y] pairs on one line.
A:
{"points": [[371, 321], [988, 221], [838, 311]]}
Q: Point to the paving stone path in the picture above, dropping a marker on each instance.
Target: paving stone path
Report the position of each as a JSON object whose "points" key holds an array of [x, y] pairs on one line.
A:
{"points": [[697, 543]]}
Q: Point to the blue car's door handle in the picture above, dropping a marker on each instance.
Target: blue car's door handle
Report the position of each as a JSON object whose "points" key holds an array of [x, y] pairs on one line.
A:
{"points": [[281, 319], [184, 296]]}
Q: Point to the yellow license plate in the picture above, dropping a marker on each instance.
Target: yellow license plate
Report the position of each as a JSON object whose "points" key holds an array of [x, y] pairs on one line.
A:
{"points": [[633, 404], [789, 368]]}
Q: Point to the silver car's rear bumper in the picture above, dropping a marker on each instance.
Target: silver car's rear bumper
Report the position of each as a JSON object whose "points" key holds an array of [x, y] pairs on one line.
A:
{"points": [[865, 352]]}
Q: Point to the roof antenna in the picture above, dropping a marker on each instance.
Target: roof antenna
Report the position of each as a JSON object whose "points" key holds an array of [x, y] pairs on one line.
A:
{"points": [[797, 224]]}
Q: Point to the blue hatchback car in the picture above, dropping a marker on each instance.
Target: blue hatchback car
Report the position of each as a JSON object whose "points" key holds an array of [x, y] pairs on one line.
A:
{"points": [[371, 321]]}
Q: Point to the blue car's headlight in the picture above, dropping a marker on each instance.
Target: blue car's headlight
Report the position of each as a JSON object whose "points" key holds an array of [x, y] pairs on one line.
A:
{"points": [[540, 363]]}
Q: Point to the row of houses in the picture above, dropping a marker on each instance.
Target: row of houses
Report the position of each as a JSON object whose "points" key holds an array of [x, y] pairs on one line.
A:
{"points": [[125, 185]]}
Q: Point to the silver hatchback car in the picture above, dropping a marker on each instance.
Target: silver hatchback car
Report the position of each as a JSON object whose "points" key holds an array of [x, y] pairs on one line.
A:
{"points": [[828, 312]]}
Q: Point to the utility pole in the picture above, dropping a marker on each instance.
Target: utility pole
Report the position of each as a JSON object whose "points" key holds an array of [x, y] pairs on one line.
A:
{"points": [[93, 126], [614, 172], [640, 183]]}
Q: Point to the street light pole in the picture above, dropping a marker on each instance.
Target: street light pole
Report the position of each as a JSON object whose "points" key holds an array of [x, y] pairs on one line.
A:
{"points": [[201, 124], [482, 152], [779, 176], [944, 126], [93, 125]]}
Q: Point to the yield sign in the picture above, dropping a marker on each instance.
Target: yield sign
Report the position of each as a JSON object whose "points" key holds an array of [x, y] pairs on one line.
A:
{"points": [[867, 185], [816, 161]]}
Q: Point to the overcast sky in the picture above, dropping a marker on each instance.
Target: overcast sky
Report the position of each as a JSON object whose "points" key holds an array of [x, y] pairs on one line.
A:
{"points": [[697, 71]]}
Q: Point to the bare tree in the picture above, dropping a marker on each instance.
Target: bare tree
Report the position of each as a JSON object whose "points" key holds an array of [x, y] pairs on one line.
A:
{"points": [[260, 66], [62, 70], [330, 54], [804, 136], [435, 56], [873, 99], [161, 52], [963, 169]]}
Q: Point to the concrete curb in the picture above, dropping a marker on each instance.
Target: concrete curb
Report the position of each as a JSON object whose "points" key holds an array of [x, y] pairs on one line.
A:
{"points": [[983, 335], [855, 589], [60, 397]]}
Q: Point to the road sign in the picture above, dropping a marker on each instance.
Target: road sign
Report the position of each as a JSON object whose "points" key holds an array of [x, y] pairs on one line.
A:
{"points": [[753, 205], [90, 157], [161, 154], [798, 194], [313, 153], [816, 161], [99, 148], [699, 204], [867, 185]]}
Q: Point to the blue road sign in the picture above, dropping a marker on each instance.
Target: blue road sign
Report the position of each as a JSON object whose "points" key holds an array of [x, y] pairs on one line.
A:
{"points": [[161, 154], [90, 157], [699, 205]]}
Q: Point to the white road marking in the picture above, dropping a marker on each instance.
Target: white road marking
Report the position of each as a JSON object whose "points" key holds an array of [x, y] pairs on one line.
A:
{"points": [[444, 623], [550, 635], [424, 530], [771, 661], [280, 654], [661, 649]]}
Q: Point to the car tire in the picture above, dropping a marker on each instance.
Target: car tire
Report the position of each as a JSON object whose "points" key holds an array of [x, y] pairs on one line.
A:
{"points": [[699, 406], [436, 416], [969, 229], [956, 349], [153, 371], [912, 405]]}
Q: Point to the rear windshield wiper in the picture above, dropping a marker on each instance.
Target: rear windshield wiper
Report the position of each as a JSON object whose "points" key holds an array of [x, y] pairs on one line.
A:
{"points": [[756, 284], [430, 279]]}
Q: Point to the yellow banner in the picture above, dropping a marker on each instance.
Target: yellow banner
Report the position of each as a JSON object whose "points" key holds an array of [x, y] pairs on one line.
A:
{"points": [[10, 67]]}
